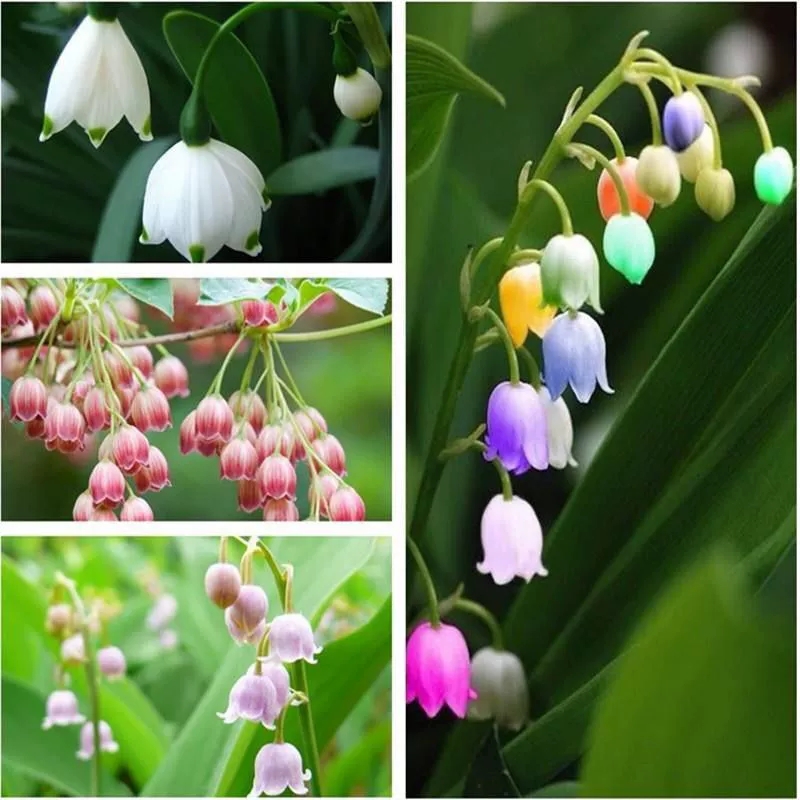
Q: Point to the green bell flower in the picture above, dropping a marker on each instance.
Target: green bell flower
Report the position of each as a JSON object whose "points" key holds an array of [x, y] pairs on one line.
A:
{"points": [[628, 246], [773, 176]]}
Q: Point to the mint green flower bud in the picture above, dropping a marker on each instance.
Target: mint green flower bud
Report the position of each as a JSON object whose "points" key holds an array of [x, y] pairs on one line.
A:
{"points": [[715, 192], [658, 174], [698, 155], [773, 176], [628, 246]]}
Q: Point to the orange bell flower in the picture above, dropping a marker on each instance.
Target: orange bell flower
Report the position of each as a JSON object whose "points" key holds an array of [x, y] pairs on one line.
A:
{"points": [[522, 304]]}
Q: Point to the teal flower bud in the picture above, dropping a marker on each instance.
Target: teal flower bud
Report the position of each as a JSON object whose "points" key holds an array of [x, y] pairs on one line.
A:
{"points": [[628, 246], [570, 272], [715, 192], [773, 176], [658, 174], [698, 155]]}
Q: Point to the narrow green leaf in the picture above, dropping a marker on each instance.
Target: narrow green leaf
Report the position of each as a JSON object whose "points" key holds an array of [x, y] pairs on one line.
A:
{"points": [[488, 775], [238, 96], [122, 216], [220, 291], [345, 774], [324, 170], [155, 292], [434, 79]]}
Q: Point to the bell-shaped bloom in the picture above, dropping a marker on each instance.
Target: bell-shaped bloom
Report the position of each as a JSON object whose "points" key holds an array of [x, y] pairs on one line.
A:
{"points": [[437, 669], [311, 422], [107, 484], [715, 192], [249, 496], [358, 95], [570, 272], [253, 697], [245, 616], [136, 509], [238, 461], [96, 409], [44, 307], [559, 430], [320, 490], [683, 121], [516, 428], [203, 197], [249, 406], [58, 619], [629, 246], [155, 476], [107, 743], [273, 669], [502, 686], [658, 174], [292, 639], [223, 584], [130, 449], [522, 303], [282, 510], [773, 176], [346, 505], [574, 352], [512, 541], [278, 767], [330, 451], [162, 613], [698, 156], [62, 709], [64, 428], [27, 399], [277, 477], [150, 410], [213, 420], [111, 661], [172, 377], [608, 196], [13, 307], [141, 358], [97, 80], [259, 313], [72, 650]]}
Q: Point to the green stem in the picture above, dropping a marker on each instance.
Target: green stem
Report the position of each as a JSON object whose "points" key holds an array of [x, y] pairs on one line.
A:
{"points": [[433, 602], [333, 333], [566, 220], [665, 63], [369, 28], [610, 168], [524, 256], [505, 480], [247, 375], [216, 384], [486, 616], [511, 353], [609, 130], [533, 366], [307, 728], [652, 110]]}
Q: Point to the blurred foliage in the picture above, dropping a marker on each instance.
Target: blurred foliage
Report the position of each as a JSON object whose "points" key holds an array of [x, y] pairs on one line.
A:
{"points": [[536, 55], [168, 699], [292, 50], [348, 379]]}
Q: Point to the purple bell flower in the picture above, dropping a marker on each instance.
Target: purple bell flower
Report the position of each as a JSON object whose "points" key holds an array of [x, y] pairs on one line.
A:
{"points": [[574, 353], [62, 709], [107, 743], [516, 428], [278, 767], [111, 661], [291, 639], [253, 697], [683, 121]]}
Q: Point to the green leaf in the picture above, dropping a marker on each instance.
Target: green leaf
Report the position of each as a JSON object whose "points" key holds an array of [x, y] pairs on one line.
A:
{"points": [[48, 756], [324, 170], [560, 789], [122, 215], [703, 702], [434, 79], [238, 96], [7, 384], [488, 775], [368, 294], [155, 292], [220, 291], [345, 774]]}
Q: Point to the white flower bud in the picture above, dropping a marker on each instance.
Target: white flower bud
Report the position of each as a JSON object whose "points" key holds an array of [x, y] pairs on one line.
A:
{"points": [[499, 679], [699, 154], [358, 95]]}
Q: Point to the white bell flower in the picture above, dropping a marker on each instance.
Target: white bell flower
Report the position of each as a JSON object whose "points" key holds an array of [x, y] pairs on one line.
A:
{"points": [[559, 430], [358, 95], [499, 680], [97, 80], [201, 197]]}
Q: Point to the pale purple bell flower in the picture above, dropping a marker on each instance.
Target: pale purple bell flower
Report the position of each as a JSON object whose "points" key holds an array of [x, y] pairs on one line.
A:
{"points": [[512, 541], [516, 428], [162, 613], [62, 709], [291, 639], [272, 668], [254, 698], [72, 650], [245, 618], [574, 352], [111, 661], [279, 766], [107, 743]]}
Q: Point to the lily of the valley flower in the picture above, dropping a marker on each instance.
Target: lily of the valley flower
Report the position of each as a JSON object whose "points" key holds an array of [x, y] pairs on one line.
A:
{"points": [[559, 430], [715, 192], [571, 272], [499, 679], [358, 95], [278, 767], [201, 197], [522, 304], [107, 743], [773, 176], [97, 80]]}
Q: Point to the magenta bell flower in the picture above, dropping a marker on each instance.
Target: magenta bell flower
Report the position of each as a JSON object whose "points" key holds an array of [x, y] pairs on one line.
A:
{"points": [[516, 428], [107, 743], [111, 661], [437, 669], [291, 639], [279, 766], [253, 697], [574, 353], [512, 541], [62, 709]]}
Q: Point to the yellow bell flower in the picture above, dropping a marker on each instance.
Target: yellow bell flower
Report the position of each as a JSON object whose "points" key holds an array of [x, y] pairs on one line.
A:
{"points": [[521, 303]]}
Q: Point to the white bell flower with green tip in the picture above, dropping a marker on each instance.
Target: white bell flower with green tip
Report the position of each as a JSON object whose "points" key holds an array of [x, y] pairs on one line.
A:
{"points": [[98, 79], [358, 95], [201, 197]]}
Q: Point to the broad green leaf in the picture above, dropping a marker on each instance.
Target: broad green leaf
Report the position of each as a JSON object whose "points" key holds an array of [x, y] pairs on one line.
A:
{"points": [[122, 216], [327, 169], [238, 97], [560, 789], [48, 756], [703, 701], [220, 291], [155, 292], [345, 774], [369, 294], [488, 775], [434, 79]]}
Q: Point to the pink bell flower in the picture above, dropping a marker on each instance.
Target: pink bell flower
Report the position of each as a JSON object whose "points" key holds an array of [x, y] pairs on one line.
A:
{"points": [[279, 766], [291, 639], [107, 743], [62, 709], [253, 698]]}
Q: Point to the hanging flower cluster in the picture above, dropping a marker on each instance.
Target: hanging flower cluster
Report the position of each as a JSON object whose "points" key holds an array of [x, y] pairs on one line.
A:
{"points": [[202, 194], [74, 626], [263, 695], [83, 373], [528, 425]]}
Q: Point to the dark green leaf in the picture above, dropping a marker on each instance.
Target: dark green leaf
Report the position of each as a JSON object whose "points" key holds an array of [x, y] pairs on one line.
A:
{"points": [[239, 98], [561, 789], [488, 775], [327, 169], [122, 216], [155, 292]]}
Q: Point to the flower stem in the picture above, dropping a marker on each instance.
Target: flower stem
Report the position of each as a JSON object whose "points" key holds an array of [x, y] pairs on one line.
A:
{"points": [[566, 220], [652, 110], [486, 616], [609, 130], [216, 384], [307, 727], [333, 333], [433, 602], [511, 353], [610, 168], [505, 480], [533, 366]]}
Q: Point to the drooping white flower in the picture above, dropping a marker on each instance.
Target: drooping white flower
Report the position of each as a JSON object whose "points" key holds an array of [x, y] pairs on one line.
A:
{"points": [[559, 430], [97, 80], [201, 197], [358, 95], [499, 679]]}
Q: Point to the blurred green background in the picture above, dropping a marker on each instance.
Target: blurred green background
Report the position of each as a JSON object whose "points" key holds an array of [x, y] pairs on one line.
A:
{"points": [[348, 379], [163, 712], [536, 54], [54, 194]]}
